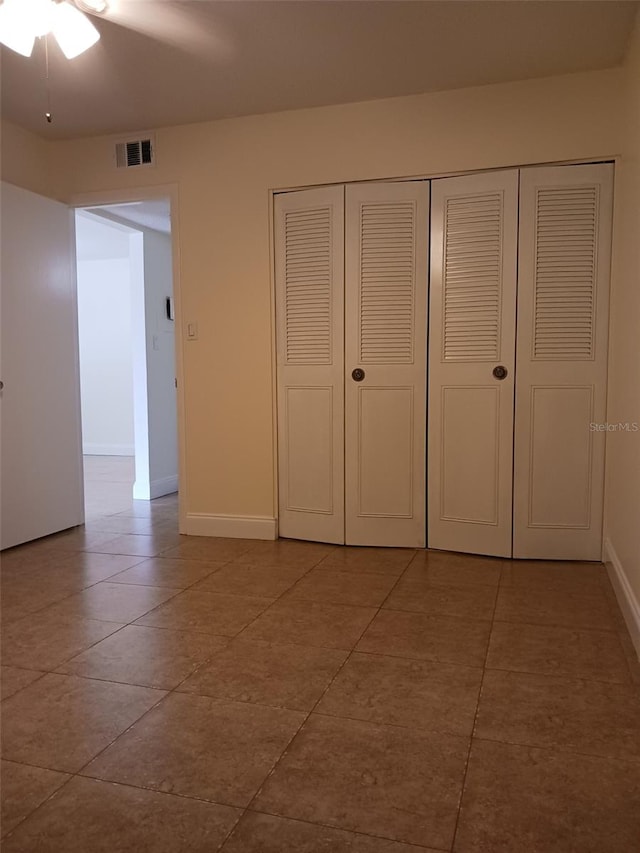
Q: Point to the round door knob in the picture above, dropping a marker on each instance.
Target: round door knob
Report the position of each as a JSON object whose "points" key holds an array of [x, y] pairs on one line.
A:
{"points": [[500, 372], [357, 375]]}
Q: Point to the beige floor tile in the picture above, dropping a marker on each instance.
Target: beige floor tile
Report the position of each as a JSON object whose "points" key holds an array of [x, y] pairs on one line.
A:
{"points": [[444, 567], [260, 833], [43, 641], [61, 722], [75, 539], [21, 600], [174, 574], [631, 655], [520, 799], [560, 713], [468, 601], [24, 788], [245, 579], [311, 623], [574, 577], [90, 816], [210, 549], [382, 780], [147, 509], [13, 613], [554, 607], [386, 745], [73, 571], [251, 671], [200, 747], [286, 552], [211, 613], [92, 568], [112, 602], [338, 587], [14, 678], [150, 657], [395, 691], [548, 650], [120, 524], [442, 639], [140, 544], [384, 561]]}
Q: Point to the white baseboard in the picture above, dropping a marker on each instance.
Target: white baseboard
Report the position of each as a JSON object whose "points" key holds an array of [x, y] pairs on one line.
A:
{"points": [[232, 526], [624, 593], [89, 449], [147, 491]]}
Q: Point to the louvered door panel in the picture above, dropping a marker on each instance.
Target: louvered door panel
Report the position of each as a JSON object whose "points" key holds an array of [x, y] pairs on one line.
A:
{"points": [[563, 283], [307, 285], [385, 337], [472, 330], [472, 278], [309, 256], [387, 282], [565, 272]]}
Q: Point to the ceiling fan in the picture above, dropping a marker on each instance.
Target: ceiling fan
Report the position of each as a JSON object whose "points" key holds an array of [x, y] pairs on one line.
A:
{"points": [[175, 22], [23, 21]]}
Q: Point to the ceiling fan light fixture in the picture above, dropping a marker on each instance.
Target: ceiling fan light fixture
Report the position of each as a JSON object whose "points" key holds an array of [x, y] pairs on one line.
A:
{"points": [[74, 32], [95, 7], [22, 21], [16, 27]]}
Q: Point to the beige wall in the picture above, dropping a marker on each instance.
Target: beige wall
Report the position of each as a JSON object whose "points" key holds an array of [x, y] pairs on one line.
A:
{"points": [[224, 171], [622, 506], [24, 159]]}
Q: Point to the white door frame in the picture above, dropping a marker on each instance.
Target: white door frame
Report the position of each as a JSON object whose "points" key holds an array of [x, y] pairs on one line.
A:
{"points": [[102, 198]]}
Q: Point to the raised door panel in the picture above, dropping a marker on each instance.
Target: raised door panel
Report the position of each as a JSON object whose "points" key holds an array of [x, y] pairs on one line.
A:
{"points": [[472, 331], [309, 256], [385, 338], [564, 258]]}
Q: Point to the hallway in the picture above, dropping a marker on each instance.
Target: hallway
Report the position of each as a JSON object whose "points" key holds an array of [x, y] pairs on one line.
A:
{"points": [[267, 697]]}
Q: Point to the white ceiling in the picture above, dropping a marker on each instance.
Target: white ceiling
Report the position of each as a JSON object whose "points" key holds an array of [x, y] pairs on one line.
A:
{"points": [[167, 62], [153, 213]]}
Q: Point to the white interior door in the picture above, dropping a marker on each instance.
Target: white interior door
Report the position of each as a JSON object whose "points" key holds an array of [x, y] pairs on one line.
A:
{"points": [[309, 239], [472, 332], [387, 234], [42, 490], [564, 257]]}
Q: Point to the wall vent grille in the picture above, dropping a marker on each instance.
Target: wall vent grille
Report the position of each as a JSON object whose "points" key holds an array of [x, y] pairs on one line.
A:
{"points": [[135, 152]]}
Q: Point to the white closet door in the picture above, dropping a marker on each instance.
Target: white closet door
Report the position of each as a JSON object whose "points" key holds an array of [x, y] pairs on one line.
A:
{"points": [[385, 339], [309, 239], [472, 332], [565, 240]]}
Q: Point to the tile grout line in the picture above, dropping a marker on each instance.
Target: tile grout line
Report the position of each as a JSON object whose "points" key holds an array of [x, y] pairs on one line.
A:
{"points": [[475, 718], [349, 655], [321, 697], [79, 772]]}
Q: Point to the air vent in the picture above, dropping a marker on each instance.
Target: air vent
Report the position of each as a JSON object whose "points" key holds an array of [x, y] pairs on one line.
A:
{"points": [[136, 152]]}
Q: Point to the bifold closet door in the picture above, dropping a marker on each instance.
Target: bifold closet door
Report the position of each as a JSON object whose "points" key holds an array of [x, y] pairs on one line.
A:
{"points": [[563, 297], [309, 258], [474, 222], [387, 234]]}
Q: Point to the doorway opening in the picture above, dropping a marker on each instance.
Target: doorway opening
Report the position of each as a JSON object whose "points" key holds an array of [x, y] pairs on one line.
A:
{"points": [[126, 333]]}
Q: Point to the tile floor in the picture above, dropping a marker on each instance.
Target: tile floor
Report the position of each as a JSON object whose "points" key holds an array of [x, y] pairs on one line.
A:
{"points": [[164, 694]]}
